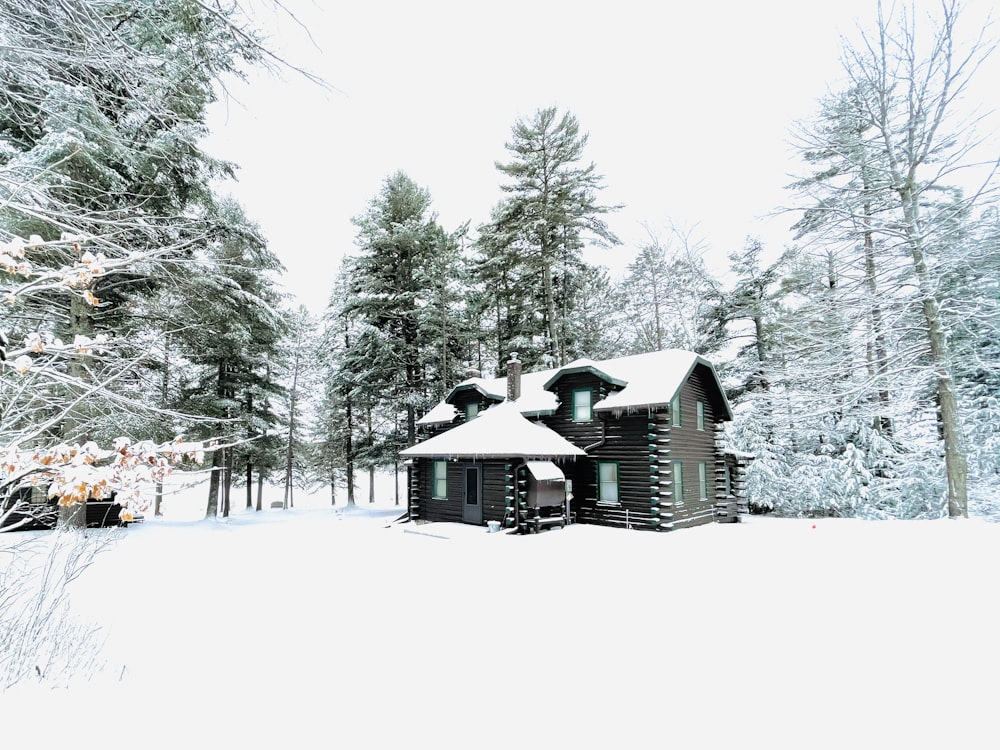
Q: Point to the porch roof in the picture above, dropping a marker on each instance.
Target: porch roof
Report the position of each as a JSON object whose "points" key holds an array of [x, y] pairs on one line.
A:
{"points": [[498, 432]]}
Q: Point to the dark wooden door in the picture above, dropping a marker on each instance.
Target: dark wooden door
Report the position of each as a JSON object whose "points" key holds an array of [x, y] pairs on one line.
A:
{"points": [[472, 502]]}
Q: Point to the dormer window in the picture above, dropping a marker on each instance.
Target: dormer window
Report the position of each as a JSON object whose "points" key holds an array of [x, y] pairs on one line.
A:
{"points": [[582, 409], [471, 411]]}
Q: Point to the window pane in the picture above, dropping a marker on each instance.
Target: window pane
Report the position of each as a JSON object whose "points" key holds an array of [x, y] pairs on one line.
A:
{"points": [[701, 415], [440, 486], [609, 492], [472, 486], [607, 484], [675, 411], [703, 480], [581, 406], [678, 472]]}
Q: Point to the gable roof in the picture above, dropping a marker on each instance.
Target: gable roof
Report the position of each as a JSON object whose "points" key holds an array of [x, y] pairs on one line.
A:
{"points": [[645, 381], [498, 432], [653, 380]]}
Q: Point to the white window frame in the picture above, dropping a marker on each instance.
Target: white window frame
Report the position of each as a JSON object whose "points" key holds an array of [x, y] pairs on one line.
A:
{"points": [[604, 485], [703, 479], [677, 479], [701, 415], [439, 474], [589, 405], [675, 411]]}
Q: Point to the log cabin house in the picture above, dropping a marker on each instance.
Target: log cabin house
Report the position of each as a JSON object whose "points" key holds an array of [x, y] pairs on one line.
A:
{"points": [[634, 442]]}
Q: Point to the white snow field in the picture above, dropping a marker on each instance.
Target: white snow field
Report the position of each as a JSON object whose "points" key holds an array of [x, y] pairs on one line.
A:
{"points": [[331, 627]]}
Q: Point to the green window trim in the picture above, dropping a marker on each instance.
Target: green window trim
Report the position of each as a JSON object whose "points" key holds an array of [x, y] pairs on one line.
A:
{"points": [[607, 483], [677, 472], [701, 415], [439, 480], [703, 480], [583, 410], [675, 411]]}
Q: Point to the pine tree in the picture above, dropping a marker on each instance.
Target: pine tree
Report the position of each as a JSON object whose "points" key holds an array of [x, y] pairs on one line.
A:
{"points": [[102, 109], [240, 327], [550, 213], [300, 354], [398, 296], [886, 151]]}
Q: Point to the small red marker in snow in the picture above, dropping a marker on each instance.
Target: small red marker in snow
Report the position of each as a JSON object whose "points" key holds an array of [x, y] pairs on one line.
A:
{"points": [[814, 526]]}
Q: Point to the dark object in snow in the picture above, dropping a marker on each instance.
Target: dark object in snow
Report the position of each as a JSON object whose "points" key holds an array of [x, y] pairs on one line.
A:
{"points": [[27, 509]]}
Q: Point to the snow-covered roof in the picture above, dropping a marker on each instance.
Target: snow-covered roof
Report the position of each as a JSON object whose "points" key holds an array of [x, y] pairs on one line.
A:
{"points": [[653, 379], [645, 380], [534, 400], [584, 365], [499, 431], [545, 471], [443, 413]]}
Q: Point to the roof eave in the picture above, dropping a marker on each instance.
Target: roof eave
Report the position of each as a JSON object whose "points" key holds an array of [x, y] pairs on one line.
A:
{"points": [[472, 387], [585, 368]]}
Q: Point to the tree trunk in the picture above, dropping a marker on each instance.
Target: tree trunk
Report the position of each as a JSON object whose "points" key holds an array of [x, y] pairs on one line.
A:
{"points": [[955, 465], [333, 488], [74, 424], [212, 508], [349, 448], [73, 516], [371, 483], [249, 484], [290, 451], [550, 313], [164, 398], [879, 356], [227, 483], [260, 490]]}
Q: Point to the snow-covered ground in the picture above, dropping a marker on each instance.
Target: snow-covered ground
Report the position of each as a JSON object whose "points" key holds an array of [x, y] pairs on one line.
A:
{"points": [[333, 627]]}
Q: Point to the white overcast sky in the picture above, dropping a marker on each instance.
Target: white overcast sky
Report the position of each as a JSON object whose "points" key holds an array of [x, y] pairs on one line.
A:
{"points": [[688, 107]]}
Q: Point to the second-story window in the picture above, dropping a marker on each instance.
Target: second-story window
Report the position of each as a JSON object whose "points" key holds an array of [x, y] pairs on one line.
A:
{"points": [[471, 411], [582, 411], [675, 411]]}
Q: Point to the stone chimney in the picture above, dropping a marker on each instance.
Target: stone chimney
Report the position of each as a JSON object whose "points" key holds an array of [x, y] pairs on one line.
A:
{"points": [[472, 372], [513, 378]]}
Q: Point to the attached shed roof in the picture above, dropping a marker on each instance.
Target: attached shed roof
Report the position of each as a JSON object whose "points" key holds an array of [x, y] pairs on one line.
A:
{"points": [[498, 432], [545, 471]]}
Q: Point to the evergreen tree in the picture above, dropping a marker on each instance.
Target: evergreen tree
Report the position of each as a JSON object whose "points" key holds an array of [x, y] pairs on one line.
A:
{"points": [[399, 297], [884, 152], [232, 348], [302, 376], [550, 213], [102, 108]]}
